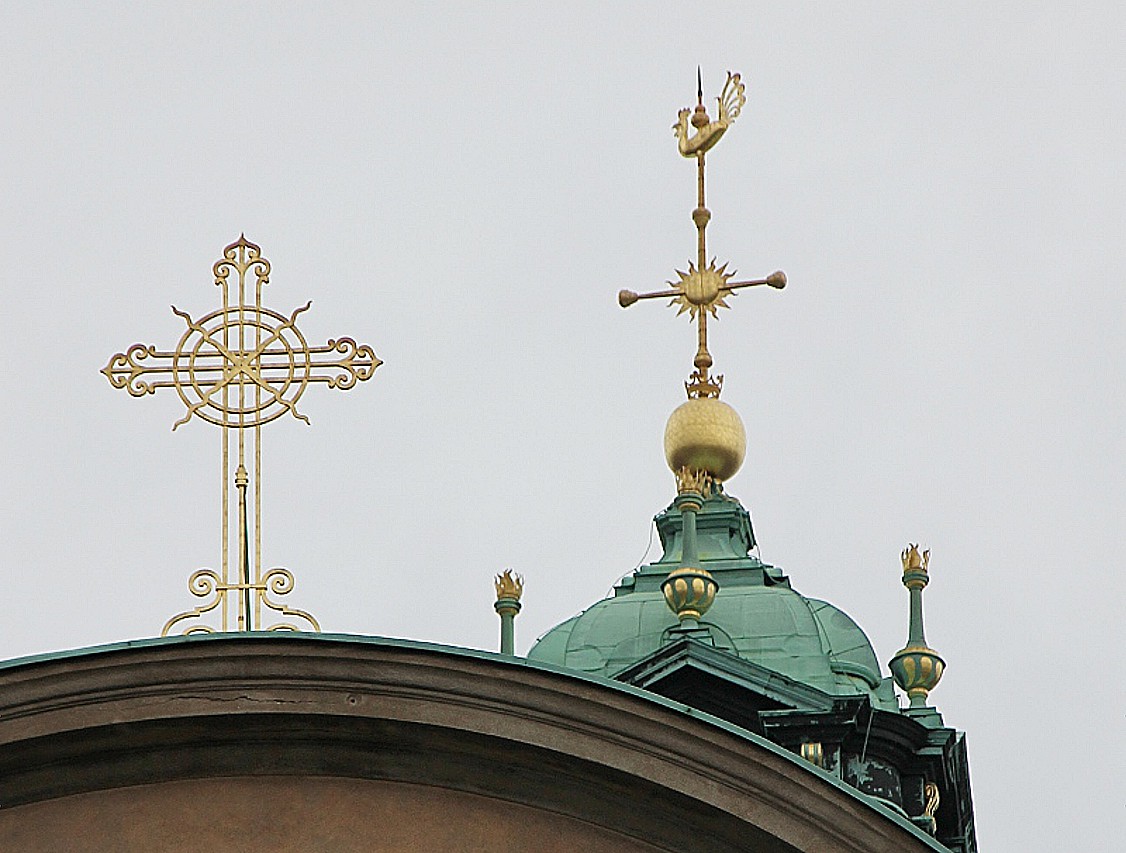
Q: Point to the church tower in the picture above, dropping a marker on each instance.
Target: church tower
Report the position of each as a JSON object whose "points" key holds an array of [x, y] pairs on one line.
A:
{"points": [[711, 625]]}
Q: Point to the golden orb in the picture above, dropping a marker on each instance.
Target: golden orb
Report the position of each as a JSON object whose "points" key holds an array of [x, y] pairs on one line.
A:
{"points": [[706, 434]]}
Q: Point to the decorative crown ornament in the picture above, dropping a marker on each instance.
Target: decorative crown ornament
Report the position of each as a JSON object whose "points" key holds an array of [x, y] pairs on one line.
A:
{"points": [[509, 586], [694, 480], [915, 565], [912, 559], [698, 385]]}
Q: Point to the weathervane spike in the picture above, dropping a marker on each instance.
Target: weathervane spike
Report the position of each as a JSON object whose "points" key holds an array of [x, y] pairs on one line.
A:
{"points": [[703, 289], [240, 367]]}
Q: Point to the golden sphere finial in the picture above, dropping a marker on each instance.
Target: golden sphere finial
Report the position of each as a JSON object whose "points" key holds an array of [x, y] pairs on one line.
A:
{"points": [[706, 434]]}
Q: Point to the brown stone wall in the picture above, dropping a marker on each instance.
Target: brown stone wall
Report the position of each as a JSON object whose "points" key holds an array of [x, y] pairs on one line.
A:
{"points": [[298, 814], [440, 742]]}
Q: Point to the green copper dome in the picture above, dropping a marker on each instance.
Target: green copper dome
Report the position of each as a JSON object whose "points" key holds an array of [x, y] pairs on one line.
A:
{"points": [[756, 616]]}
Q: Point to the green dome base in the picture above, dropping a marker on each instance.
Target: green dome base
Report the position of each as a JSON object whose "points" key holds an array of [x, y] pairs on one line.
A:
{"points": [[756, 616]]}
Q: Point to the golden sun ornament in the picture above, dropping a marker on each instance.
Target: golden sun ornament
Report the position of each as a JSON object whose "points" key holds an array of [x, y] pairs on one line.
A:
{"points": [[701, 289]]}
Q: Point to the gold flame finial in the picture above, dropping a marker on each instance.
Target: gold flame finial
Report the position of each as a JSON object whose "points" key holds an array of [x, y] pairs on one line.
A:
{"points": [[694, 480], [913, 560], [509, 586]]}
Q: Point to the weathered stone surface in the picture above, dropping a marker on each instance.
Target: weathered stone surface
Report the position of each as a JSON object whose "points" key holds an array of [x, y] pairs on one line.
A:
{"points": [[321, 741]]}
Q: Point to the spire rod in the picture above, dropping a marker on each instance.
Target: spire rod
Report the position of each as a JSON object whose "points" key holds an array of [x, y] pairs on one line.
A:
{"points": [[916, 667], [690, 590], [703, 289], [509, 588]]}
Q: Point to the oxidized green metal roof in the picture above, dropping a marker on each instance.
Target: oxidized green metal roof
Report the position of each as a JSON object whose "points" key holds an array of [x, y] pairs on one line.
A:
{"points": [[756, 616]]}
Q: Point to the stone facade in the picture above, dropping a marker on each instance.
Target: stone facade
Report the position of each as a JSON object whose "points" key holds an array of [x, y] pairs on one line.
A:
{"points": [[329, 743]]}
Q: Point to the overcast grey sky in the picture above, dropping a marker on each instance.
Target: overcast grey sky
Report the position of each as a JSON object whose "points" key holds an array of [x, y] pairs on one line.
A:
{"points": [[467, 188]]}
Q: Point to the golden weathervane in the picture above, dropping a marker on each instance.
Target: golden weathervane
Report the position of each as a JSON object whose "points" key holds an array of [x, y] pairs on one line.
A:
{"points": [[239, 367], [703, 288]]}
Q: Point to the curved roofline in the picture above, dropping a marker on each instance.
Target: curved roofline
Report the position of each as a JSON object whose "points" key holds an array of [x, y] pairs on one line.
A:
{"points": [[256, 637], [836, 663]]}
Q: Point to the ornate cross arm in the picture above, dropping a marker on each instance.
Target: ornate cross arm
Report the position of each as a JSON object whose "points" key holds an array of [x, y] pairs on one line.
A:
{"points": [[356, 363], [262, 355], [776, 279], [125, 369]]}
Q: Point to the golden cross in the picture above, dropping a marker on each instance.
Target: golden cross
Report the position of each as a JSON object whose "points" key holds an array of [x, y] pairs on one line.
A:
{"points": [[239, 367], [702, 289]]}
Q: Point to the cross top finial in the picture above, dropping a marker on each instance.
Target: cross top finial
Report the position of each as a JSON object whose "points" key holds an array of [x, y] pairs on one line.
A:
{"points": [[702, 289], [239, 367]]}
